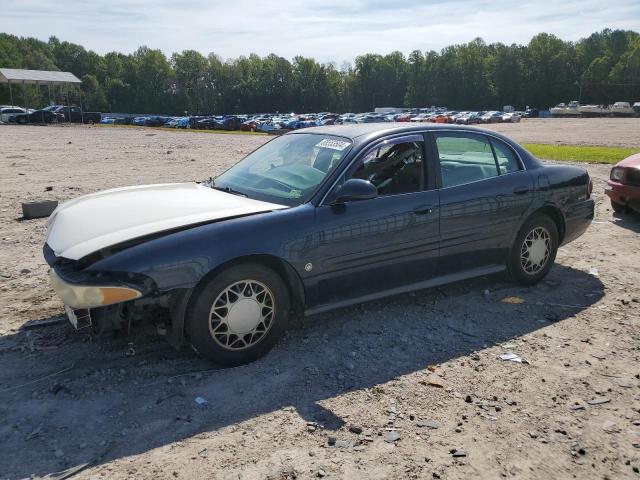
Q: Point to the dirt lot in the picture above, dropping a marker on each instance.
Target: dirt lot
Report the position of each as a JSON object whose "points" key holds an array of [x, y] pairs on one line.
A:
{"points": [[423, 366]]}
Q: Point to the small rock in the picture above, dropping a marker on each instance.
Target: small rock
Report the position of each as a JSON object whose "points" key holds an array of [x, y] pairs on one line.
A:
{"points": [[427, 424], [458, 453], [533, 434], [342, 444], [458, 430], [331, 441], [391, 437], [598, 401], [321, 473], [468, 399], [610, 427], [355, 429]]}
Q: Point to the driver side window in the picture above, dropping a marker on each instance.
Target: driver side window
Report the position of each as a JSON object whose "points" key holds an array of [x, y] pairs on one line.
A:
{"points": [[394, 168]]}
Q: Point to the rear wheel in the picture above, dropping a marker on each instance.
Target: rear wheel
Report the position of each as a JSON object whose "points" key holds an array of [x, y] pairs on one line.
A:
{"points": [[534, 250], [238, 315], [618, 207]]}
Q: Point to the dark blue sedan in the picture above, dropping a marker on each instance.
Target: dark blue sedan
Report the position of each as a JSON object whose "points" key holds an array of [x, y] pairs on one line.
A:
{"points": [[311, 221]]}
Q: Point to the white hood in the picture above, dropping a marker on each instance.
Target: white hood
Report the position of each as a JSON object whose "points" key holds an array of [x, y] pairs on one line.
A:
{"points": [[91, 222]]}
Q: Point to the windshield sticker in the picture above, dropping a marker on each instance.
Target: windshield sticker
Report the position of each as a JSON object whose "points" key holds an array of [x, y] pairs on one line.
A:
{"points": [[333, 144]]}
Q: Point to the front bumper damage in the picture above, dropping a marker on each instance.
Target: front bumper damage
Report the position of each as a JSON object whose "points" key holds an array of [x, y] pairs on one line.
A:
{"points": [[108, 300], [82, 296], [80, 287]]}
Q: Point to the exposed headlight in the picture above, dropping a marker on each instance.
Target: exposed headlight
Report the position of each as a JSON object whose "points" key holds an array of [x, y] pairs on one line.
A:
{"points": [[617, 173], [86, 296]]}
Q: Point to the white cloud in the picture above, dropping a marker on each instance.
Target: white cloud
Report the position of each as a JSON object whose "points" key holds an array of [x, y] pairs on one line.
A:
{"points": [[332, 30]]}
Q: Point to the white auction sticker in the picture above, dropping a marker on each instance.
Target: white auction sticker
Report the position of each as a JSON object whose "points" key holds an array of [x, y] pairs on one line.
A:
{"points": [[333, 144]]}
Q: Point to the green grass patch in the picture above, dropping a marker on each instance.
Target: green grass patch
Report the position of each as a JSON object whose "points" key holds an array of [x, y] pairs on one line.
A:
{"points": [[576, 153]]}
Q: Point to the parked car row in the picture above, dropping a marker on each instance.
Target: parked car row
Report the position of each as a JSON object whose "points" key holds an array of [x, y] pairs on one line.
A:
{"points": [[49, 114], [268, 122]]}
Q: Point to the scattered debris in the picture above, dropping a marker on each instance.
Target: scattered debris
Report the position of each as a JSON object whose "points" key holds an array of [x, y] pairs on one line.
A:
{"points": [[391, 437], [512, 357], [38, 209], [428, 424], [340, 443], [457, 453], [610, 427], [513, 300], [432, 383]]}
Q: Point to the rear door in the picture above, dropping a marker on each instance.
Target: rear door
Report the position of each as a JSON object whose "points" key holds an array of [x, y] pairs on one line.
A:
{"points": [[484, 194], [371, 246]]}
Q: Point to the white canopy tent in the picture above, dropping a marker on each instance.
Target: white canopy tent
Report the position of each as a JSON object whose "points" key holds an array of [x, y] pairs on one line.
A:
{"points": [[14, 76]]}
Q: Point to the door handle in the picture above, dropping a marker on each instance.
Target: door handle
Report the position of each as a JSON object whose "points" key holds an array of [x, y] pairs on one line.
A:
{"points": [[520, 190], [423, 210]]}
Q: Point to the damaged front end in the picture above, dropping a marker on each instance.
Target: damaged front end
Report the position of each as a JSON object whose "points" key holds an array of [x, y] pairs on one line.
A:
{"points": [[105, 301]]}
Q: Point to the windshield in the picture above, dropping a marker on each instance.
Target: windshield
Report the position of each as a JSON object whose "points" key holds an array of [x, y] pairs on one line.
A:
{"points": [[287, 170]]}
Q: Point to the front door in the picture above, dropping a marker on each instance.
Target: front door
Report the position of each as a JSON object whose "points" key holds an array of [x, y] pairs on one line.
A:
{"points": [[371, 246]]}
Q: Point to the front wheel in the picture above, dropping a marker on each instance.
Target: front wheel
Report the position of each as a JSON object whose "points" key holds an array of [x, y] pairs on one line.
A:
{"points": [[534, 250], [238, 315]]}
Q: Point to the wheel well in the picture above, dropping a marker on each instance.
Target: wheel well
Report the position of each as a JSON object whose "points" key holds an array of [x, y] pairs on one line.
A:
{"points": [[286, 272], [556, 215]]}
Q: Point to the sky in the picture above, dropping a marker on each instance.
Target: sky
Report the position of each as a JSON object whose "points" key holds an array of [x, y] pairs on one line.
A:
{"points": [[327, 30]]}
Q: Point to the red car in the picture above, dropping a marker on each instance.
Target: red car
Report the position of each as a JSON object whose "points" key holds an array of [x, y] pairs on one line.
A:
{"points": [[624, 184]]}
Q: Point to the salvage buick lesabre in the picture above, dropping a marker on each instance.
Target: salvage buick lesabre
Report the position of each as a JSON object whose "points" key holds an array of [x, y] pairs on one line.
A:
{"points": [[313, 220]]}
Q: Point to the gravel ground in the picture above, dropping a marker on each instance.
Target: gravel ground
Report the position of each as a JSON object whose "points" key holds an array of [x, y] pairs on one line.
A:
{"points": [[409, 387]]}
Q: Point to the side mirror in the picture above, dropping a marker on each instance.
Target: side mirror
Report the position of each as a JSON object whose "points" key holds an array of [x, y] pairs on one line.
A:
{"points": [[355, 189]]}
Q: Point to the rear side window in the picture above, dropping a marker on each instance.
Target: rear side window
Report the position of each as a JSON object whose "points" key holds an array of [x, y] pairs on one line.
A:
{"points": [[507, 160], [465, 158]]}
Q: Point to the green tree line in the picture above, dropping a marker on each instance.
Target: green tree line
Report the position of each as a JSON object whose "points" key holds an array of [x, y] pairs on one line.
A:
{"points": [[602, 68]]}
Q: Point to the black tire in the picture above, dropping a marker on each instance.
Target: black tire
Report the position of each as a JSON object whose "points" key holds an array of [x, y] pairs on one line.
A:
{"points": [[618, 207], [199, 316], [528, 273]]}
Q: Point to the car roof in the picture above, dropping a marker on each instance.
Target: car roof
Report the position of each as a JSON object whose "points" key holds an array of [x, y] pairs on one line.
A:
{"points": [[362, 133]]}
